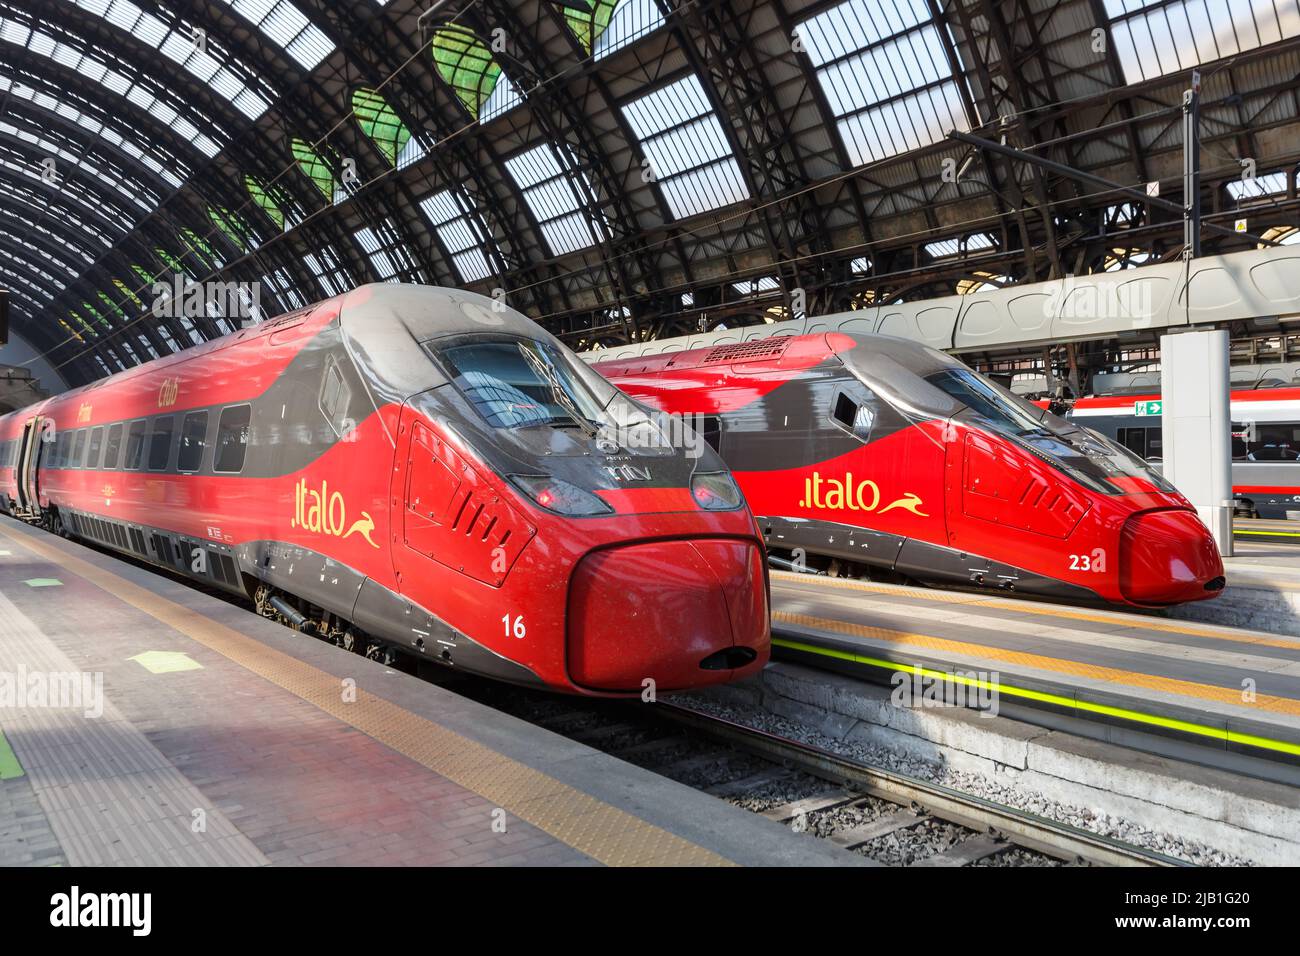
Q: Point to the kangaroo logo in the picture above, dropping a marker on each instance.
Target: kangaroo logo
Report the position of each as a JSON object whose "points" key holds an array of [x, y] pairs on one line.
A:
{"points": [[325, 512], [909, 502], [363, 526]]}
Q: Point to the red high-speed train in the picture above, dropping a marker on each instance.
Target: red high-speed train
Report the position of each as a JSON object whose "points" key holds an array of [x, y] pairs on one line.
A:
{"points": [[873, 452], [420, 468]]}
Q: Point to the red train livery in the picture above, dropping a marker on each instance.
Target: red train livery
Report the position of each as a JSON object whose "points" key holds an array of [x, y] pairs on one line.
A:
{"points": [[422, 468], [879, 453]]}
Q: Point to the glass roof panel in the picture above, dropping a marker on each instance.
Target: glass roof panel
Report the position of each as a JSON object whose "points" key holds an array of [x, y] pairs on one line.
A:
{"points": [[1156, 37], [288, 27], [461, 231], [687, 148], [205, 61], [378, 120], [44, 44], [884, 70], [313, 167], [466, 65], [557, 199]]}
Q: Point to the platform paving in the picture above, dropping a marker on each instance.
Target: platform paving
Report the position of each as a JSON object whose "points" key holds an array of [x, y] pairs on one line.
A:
{"points": [[226, 739]]}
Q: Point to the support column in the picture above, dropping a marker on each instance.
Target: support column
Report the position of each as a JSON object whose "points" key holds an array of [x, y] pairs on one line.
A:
{"points": [[1196, 425]]}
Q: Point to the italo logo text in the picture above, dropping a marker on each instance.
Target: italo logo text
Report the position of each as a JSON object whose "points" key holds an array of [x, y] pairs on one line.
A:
{"points": [[75, 908], [325, 512], [844, 494]]}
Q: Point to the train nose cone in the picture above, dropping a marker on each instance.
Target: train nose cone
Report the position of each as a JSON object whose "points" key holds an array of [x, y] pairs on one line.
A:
{"points": [[682, 613], [1168, 557]]}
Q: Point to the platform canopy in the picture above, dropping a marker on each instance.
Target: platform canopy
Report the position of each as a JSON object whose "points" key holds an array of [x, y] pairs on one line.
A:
{"points": [[619, 169]]}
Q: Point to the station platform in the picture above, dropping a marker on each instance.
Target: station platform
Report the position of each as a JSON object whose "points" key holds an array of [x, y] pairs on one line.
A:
{"points": [[1263, 580], [1221, 688], [148, 723]]}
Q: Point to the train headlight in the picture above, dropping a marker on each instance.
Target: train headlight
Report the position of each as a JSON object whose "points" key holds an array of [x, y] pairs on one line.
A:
{"points": [[715, 491], [559, 496]]}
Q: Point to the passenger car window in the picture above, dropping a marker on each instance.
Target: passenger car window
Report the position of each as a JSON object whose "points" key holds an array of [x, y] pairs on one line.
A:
{"points": [[194, 431], [79, 449], [113, 447], [232, 439], [134, 446], [96, 447], [160, 443]]}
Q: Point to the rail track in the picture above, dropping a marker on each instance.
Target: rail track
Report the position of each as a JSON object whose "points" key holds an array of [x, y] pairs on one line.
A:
{"points": [[888, 817]]}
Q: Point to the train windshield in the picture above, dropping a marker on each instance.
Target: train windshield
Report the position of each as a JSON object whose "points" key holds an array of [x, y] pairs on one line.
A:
{"points": [[521, 383], [1092, 460], [981, 395]]}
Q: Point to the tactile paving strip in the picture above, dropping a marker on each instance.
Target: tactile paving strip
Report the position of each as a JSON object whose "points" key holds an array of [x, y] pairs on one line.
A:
{"points": [[1169, 685], [604, 832], [109, 795], [1007, 605]]}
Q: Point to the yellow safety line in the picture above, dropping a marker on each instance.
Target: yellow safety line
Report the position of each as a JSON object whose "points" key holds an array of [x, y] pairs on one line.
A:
{"points": [[1168, 685], [1203, 730], [591, 826], [1042, 610], [1271, 534]]}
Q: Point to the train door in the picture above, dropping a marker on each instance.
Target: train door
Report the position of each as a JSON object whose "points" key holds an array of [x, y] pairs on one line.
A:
{"points": [[29, 450]]}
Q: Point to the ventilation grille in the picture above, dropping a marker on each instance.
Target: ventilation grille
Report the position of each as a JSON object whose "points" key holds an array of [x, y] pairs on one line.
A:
{"points": [[747, 351]]}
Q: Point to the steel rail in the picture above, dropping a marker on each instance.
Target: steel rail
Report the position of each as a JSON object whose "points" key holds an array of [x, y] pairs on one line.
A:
{"points": [[1024, 829]]}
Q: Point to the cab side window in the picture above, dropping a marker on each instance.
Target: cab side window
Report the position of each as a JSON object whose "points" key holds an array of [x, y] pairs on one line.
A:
{"points": [[853, 410]]}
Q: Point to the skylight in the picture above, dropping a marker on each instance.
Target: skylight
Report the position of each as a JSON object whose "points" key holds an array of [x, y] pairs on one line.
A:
{"points": [[386, 253], [92, 125], [557, 200], [76, 252], [283, 289], [466, 65], [884, 70], [1270, 184], [755, 286], [288, 27], [610, 25], [313, 167], [333, 279], [1155, 38], [133, 191], [70, 191], [380, 122], [461, 231], [43, 44], [687, 148], [230, 80], [976, 242]]}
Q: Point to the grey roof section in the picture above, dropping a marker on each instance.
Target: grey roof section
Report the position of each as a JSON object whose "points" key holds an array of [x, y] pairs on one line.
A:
{"points": [[1148, 299]]}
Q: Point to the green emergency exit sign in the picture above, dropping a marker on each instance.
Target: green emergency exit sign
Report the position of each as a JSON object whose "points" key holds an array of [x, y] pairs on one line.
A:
{"points": [[1147, 408]]}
